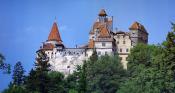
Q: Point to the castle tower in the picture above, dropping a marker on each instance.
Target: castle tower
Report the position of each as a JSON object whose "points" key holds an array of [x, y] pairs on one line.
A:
{"points": [[100, 36], [102, 22], [102, 16], [138, 34], [54, 37]]}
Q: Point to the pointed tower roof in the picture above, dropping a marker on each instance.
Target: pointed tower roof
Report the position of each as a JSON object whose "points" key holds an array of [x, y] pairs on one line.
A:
{"points": [[54, 34], [102, 13]]}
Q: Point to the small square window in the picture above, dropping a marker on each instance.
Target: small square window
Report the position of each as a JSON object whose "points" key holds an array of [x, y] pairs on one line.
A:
{"points": [[103, 44], [127, 50], [120, 49], [124, 42], [99, 53]]}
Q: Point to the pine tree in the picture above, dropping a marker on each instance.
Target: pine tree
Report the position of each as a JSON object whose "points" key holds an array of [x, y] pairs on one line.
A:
{"points": [[38, 79], [32, 81], [169, 62], [4, 66], [18, 74]]}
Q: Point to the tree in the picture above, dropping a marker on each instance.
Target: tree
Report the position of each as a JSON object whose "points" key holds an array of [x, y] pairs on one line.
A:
{"points": [[151, 68], [31, 82], [101, 76], [38, 80], [169, 62], [4, 66], [145, 67], [94, 56], [15, 89], [105, 75], [56, 82], [18, 74]]}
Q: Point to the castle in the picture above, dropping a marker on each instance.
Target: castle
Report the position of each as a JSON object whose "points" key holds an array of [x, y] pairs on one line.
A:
{"points": [[102, 38]]}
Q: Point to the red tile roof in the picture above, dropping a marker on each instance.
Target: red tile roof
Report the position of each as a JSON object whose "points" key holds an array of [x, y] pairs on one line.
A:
{"points": [[54, 34], [104, 32], [48, 46], [137, 26], [98, 25], [102, 13]]}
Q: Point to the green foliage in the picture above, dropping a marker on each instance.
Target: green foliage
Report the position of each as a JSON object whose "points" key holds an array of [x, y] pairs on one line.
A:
{"points": [[4, 66], [151, 68], [18, 74], [56, 82], [101, 76], [15, 89], [94, 56], [72, 91], [145, 70], [105, 75], [38, 79]]}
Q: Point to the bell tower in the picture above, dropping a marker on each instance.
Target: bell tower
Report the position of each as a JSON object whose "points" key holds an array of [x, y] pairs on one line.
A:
{"points": [[102, 16]]}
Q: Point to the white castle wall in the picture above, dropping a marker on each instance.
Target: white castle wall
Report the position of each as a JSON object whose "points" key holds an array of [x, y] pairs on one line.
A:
{"points": [[66, 60]]}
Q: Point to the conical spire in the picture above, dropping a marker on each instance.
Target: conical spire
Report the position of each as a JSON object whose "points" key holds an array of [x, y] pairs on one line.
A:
{"points": [[54, 34], [102, 13]]}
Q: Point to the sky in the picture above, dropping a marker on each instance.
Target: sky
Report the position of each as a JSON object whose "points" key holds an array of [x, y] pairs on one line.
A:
{"points": [[25, 24]]}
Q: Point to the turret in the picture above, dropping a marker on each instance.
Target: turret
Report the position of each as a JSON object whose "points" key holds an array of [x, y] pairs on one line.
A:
{"points": [[54, 38], [138, 34], [102, 16]]}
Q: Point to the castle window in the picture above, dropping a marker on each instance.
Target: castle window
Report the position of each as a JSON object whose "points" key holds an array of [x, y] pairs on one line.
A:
{"points": [[117, 42], [103, 44], [118, 36], [120, 49], [68, 66], [127, 50], [124, 42], [99, 53]]}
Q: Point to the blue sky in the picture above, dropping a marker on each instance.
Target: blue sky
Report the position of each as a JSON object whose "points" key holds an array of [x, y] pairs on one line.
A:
{"points": [[25, 24]]}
